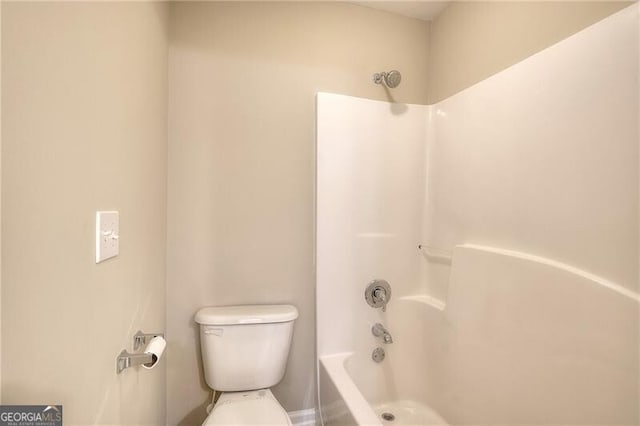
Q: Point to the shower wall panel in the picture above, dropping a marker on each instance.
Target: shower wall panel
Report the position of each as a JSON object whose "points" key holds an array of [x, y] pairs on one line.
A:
{"points": [[370, 157], [540, 159], [543, 157]]}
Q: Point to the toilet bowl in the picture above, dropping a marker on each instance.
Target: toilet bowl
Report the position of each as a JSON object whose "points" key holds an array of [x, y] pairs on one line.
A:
{"points": [[258, 407], [244, 353]]}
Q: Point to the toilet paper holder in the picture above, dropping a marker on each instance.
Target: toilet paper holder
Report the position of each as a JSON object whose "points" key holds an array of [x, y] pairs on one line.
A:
{"points": [[126, 359], [140, 339]]}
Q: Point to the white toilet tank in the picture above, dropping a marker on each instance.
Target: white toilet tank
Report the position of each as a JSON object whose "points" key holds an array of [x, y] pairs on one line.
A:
{"points": [[245, 347]]}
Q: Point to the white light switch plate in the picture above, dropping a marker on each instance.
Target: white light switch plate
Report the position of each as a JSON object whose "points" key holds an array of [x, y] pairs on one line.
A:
{"points": [[107, 235]]}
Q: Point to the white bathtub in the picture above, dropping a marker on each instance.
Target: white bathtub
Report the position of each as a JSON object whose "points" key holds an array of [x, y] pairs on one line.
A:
{"points": [[355, 390], [342, 402], [521, 340]]}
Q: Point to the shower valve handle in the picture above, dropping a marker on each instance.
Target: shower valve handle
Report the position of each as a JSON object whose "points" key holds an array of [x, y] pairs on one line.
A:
{"points": [[378, 294]]}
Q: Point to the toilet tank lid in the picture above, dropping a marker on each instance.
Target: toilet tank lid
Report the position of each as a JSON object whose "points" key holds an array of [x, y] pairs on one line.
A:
{"points": [[246, 314]]}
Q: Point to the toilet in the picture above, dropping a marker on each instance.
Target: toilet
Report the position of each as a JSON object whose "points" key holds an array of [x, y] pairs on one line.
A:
{"points": [[244, 353]]}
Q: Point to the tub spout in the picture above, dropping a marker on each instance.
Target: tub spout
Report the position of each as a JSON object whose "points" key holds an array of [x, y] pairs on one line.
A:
{"points": [[379, 330]]}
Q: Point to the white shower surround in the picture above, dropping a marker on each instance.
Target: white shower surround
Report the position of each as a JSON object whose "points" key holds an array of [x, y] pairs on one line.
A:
{"points": [[529, 180]]}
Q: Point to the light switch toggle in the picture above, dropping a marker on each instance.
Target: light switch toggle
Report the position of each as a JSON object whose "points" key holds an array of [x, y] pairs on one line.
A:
{"points": [[110, 235], [107, 238]]}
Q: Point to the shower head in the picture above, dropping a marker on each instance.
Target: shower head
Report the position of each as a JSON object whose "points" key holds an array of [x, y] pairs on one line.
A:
{"points": [[391, 78]]}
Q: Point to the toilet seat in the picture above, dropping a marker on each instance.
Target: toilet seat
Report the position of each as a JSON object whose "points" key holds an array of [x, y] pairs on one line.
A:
{"points": [[248, 408]]}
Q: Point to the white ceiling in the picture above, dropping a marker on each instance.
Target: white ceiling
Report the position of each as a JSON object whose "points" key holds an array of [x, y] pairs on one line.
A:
{"points": [[425, 10]]}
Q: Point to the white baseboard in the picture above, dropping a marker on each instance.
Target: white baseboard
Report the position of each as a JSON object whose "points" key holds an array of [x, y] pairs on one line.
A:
{"points": [[303, 417]]}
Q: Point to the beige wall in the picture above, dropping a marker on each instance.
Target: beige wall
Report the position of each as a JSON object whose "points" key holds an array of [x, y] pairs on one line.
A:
{"points": [[84, 113], [242, 85], [471, 41]]}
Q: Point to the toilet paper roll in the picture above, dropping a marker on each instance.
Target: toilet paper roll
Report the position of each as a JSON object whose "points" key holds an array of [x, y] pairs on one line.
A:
{"points": [[155, 348]]}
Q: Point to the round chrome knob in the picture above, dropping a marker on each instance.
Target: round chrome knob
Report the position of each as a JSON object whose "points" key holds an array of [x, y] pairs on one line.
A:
{"points": [[378, 293], [378, 355]]}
